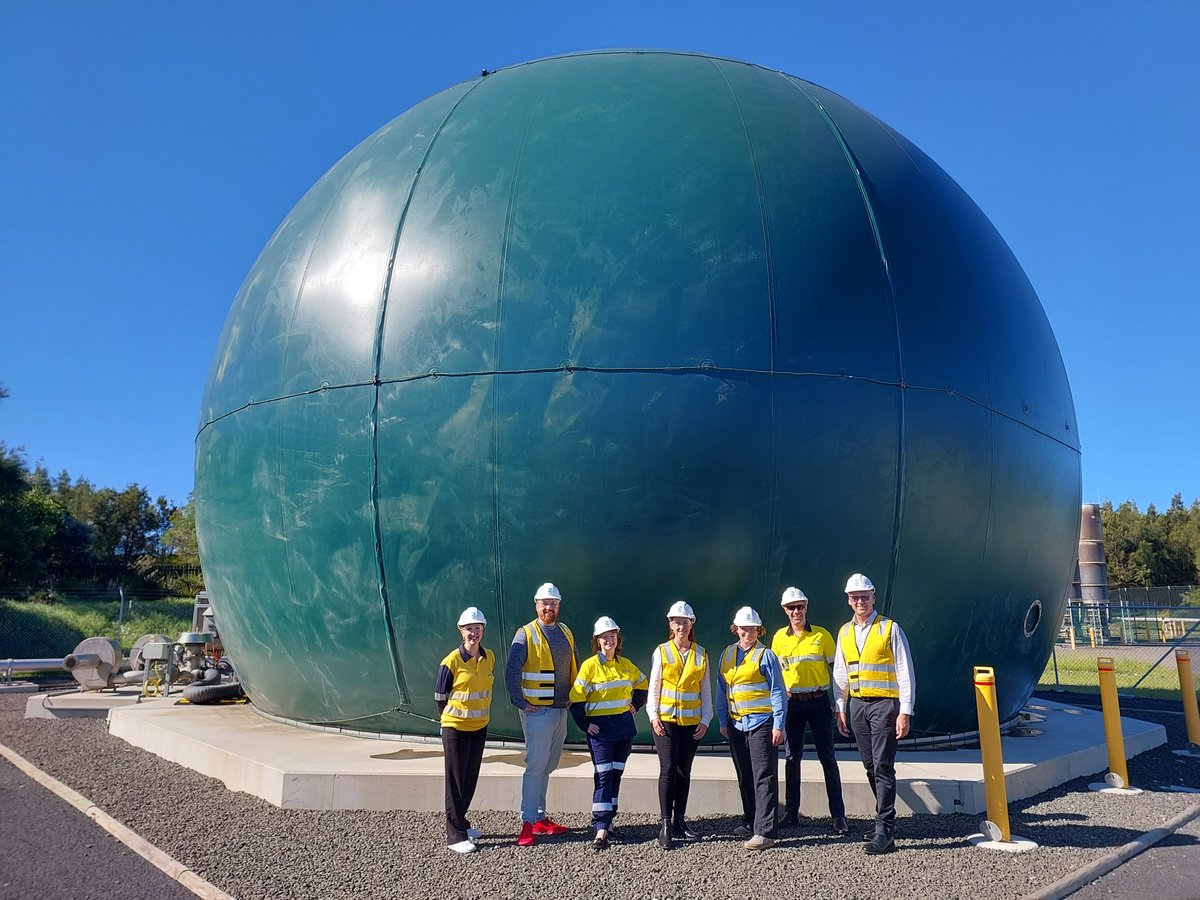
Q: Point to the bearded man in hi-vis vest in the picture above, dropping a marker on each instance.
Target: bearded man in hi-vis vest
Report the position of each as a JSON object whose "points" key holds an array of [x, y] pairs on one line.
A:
{"points": [[873, 676], [542, 665]]}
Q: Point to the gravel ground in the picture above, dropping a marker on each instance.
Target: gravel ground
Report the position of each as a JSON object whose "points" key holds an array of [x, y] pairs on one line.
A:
{"points": [[253, 850]]}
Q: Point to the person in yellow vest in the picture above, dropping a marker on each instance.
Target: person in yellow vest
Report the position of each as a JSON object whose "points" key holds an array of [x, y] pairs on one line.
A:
{"points": [[805, 654], [607, 692], [750, 710], [874, 680], [463, 693], [539, 673], [680, 707]]}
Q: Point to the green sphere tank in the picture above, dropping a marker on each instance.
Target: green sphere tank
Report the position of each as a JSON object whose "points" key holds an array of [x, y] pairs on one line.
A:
{"points": [[651, 326]]}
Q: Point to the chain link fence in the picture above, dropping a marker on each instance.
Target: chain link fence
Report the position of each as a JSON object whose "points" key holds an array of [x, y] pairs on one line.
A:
{"points": [[1140, 638], [53, 625]]}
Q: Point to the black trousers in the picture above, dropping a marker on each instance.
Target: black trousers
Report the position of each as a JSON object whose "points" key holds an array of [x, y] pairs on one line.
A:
{"points": [[463, 754], [676, 750], [756, 762], [816, 715], [874, 724]]}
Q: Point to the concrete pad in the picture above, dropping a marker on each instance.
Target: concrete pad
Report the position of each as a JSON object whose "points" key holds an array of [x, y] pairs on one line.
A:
{"points": [[74, 703], [18, 687], [296, 768]]}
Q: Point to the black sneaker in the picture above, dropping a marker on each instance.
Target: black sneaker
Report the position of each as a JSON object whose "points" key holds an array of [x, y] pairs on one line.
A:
{"points": [[789, 820], [743, 831], [841, 827]]}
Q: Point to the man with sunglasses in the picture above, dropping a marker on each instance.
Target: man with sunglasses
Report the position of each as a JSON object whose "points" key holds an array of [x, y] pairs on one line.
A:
{"points": [[873, 675], [805, 652]]}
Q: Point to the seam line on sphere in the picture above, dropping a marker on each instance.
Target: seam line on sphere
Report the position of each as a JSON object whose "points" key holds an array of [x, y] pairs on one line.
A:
{"points": [[706, 370], [1069, 884], [127, 836]]}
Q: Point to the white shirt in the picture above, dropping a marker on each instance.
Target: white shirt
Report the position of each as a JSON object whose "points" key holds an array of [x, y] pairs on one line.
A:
{"points": [[904, 667], [706, 701]]}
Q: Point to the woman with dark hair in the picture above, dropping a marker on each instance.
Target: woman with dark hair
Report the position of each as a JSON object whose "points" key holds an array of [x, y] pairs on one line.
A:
{"points": [[680, 708], [607, 692]]}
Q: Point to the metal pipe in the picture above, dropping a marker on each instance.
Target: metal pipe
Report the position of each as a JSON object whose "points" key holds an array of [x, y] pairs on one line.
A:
{"points": [[86, 660], [30, 665]]}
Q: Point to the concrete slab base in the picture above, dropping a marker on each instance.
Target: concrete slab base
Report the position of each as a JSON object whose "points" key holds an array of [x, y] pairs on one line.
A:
{"points": [[296, 768], [73, 704], [18, 687]]}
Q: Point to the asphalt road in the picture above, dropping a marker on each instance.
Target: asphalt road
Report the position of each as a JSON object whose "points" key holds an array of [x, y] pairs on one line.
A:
{"points": [[1170, 870], [50, 851]]}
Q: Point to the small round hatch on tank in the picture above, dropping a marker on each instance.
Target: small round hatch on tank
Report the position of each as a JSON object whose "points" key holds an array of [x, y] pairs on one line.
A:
{"points": [[1033, 618]]}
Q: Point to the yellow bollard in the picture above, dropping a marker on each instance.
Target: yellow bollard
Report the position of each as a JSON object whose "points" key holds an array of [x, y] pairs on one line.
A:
{"points": [[989, 744], [1092, 636], [1111, 707], [1187, 689]]}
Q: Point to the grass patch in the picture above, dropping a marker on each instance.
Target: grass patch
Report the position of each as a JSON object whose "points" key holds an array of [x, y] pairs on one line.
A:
{"points": [[33, 630], [1077, 672]]}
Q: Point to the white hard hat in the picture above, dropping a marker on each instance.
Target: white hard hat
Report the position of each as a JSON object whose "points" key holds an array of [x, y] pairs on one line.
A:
{"points": [[859, 582], [547, 592], [792, 595], [681, 609], [746, 617], [472, 615], [603, 624]]}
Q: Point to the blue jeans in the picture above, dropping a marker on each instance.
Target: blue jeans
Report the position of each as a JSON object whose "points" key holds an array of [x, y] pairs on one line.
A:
{"points": [[545, 730]]}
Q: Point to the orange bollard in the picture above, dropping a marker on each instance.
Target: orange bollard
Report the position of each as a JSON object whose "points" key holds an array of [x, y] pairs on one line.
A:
{"points": [[1187, 690], [989, 744], [1111, 707]]}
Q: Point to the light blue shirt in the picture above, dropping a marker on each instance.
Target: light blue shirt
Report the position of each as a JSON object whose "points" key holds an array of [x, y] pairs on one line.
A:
{"points": [[769, 666]]}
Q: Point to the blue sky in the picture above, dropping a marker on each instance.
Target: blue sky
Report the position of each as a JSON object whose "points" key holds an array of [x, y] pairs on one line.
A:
{"points": [[149, 150]]}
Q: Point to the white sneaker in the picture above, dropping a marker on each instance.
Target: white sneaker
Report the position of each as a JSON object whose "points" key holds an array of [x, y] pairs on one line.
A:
{"points": [[474, 834], [462, 847]]}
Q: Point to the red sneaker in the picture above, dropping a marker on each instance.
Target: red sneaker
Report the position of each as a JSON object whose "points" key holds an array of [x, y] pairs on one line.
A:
{"points": [[549, 826], [525, 838]]}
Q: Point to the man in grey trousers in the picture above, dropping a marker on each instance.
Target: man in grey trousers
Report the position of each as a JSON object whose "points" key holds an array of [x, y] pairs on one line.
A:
{"points": [[541, 668], [872, 667]]}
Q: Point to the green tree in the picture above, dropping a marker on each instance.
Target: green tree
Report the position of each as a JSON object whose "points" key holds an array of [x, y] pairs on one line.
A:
{"points": [[1151, 548], [127, 526], [39, 540], [179, 540]]}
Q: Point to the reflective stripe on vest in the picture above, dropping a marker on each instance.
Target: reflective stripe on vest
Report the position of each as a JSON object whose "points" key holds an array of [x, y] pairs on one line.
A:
{"points": [[873, 672], [606, 689], [679, 701], [746, 688], [803, 670], [468, 706], [537, 676]]}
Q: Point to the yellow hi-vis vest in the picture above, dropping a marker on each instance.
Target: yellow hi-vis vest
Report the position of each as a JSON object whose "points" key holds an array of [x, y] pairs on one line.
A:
{"points": [[804, 658], [537, 677], [873, 674], [469, 706], [679, 701], [606, 688], [746, 686]]}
